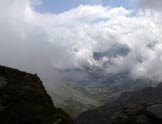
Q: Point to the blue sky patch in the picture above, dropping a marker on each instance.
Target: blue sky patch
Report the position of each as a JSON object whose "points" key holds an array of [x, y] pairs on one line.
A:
{"points": [[59, 6]]}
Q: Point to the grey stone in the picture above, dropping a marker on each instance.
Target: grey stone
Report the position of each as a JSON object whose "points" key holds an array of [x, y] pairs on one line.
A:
{"points": [[2, 81], [142, 119], [155, 110], [2, 108], [59, 121]]}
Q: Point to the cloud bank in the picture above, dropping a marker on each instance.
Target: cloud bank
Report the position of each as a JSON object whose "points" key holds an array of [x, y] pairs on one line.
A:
{"points": [[37, 42], [153, 4]]}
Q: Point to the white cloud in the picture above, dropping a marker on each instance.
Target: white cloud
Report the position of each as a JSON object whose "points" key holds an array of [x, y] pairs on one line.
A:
{"points": [[34, 41], [36, 2], [150, 4]]}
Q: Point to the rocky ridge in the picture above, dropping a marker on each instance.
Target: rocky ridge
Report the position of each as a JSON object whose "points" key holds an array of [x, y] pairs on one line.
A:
{"points": [[24, 100], [138, 107]]}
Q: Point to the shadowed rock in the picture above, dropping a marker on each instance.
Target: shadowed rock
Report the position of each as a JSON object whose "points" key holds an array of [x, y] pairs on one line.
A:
{"points": [[24, 100], [143, 106], [2, 81]]}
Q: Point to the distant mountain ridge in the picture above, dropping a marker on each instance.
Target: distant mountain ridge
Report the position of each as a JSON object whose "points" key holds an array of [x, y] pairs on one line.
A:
{"points": [[91, 87], [143, 106], [98, 81]]}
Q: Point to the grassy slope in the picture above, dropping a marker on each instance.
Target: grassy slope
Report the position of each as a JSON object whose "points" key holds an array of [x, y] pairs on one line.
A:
{"points": [[83, 98]]}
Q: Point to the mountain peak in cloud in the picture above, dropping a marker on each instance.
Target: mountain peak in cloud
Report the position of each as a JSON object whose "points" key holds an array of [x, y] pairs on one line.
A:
{"points": [[35, 41]]}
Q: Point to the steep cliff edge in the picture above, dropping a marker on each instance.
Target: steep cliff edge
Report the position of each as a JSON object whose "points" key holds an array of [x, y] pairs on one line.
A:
{"points": [[23, 100]]}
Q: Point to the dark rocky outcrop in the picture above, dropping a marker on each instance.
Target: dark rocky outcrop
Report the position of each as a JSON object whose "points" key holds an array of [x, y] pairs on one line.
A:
{"points": [[23, 100], [138, 107], [139, 114]]}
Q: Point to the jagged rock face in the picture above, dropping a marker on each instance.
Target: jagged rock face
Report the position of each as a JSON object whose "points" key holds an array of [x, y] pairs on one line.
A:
{"points": [[98, 117], [155, 112], [139, 107], [23, 100], [2, 81], [139, 114]]}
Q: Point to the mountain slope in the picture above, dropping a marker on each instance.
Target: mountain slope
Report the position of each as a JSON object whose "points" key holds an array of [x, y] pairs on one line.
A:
{"points": [[23, 100], [130, 108], [88, 88], [69, 96]]}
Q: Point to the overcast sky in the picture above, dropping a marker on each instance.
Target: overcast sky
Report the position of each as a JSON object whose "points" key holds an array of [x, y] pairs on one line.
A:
{"points": [[37, 35], [150, 4]]}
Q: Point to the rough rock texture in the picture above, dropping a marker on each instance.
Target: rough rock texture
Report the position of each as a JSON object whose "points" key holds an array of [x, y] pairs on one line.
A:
{"points": [[23, 100], [139, 107], [98, 117], [155, 113], [2, 81], [139, 114]]}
